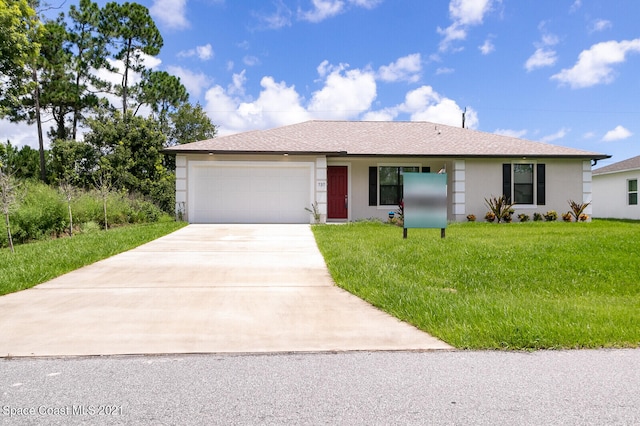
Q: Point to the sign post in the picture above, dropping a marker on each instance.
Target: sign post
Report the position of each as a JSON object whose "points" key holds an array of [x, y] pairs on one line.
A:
{"points": [[425, 201]]}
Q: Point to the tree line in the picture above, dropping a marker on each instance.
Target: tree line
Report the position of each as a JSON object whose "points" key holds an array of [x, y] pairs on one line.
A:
{"points": [[110, 114]]}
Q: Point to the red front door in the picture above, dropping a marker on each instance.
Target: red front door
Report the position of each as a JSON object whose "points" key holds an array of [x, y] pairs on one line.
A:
{"points": [[337, 192]]}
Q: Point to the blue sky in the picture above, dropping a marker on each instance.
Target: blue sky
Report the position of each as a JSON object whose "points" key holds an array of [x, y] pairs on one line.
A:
{"points": [[565, 72]]}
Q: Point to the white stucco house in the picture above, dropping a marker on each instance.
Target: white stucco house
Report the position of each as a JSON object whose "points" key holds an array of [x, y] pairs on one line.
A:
{"points": [[615, 188], [354, 170]]}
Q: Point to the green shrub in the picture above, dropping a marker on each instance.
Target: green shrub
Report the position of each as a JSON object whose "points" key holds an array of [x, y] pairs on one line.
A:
{"points": [[577, 210], [121, 209], [551, 216], [523, 217], [87, 207], [90, 227], [501, 208], [142, 211], [40, 214], [537, 217]]}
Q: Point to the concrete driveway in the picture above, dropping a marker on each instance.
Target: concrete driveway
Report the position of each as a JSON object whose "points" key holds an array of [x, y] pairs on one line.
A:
{"points": [[202, 289]]}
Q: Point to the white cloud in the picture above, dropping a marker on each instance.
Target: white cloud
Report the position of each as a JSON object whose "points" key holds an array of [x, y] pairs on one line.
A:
{"points": [[325, 68], [407, 68], [555, 136], [452, 33], [541, 58], [381, 115], [324, 9], [577, 4], [276, 20], [251, 61], [237, 85], [594, 66], [277, 105], [544, 56], [194, 82], [464, 14], [425, 104], [548, 40], [469, 12], [511, 133], [619, 133], [21, 134], [345, 95], [204, 53], [589, 135], [444, 70], [600, 25], [171, 13], [367, 4], [487, 47]]}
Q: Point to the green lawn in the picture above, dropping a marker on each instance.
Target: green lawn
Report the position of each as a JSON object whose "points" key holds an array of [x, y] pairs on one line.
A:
{"points": [[487, 286], [41, 261]]}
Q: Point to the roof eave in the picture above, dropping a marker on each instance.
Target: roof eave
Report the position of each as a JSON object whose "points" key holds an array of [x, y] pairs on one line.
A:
{"points": [[346, 154], [240, 152], [611, 172]]}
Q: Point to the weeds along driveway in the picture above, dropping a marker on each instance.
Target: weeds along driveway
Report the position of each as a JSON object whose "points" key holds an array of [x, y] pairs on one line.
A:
{"points": [[202, 289]]}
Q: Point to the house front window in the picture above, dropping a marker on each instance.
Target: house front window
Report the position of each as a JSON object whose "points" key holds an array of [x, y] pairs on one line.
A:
{"points": [[632, 191], [524, 183], [390, 178]]}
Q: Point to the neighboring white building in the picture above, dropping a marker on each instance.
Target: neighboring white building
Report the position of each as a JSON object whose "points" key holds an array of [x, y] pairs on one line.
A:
{"points": [[353, 170], [615, 190]]}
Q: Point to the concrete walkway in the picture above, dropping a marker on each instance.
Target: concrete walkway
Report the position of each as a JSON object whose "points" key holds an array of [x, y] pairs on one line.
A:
{"points": [[202, 289]]}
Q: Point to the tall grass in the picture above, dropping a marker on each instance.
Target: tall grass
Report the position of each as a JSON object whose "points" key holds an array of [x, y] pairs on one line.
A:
{"points": [[509, 286], [43, 212], [41, 261]]}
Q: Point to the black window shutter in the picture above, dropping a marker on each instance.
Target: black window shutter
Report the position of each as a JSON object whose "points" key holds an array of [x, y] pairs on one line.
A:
{"points": [[373, 186], [506, 180], [426, 170], [540, 179]]}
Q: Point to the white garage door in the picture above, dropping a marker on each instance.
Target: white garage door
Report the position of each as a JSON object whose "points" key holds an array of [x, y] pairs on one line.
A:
{"points": [[226, 192]]}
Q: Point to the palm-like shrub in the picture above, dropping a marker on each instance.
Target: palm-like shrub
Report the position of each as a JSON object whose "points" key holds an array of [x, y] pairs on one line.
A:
{"points": [[577, 210], [501, 207]]}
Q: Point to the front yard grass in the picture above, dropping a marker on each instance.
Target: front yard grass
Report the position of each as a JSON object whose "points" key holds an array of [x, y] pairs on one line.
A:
{"points": [[41, 261], [513, 286]]}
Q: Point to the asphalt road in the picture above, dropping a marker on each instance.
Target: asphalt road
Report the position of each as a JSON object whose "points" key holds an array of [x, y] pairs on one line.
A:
{"points": [[540, 388]]}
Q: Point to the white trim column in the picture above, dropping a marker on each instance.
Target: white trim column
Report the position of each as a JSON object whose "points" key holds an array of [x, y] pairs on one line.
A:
{"points": [[458, 190], [181, 188], [586, 186], [321, 187]]}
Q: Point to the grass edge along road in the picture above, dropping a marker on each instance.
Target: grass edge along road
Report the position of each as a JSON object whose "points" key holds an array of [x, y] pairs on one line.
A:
{"points": [[533, 285], [41, 261]]}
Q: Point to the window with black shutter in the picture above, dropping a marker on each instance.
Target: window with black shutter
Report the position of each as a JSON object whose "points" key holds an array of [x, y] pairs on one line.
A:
{"points": [[524, 183]]}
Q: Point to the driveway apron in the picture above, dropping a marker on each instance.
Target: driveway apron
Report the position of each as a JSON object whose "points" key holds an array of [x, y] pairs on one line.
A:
{"points": [[202, 289]]}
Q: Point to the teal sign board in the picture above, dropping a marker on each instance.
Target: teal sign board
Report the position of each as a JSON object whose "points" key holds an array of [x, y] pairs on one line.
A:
{"points": [[425, 200]]}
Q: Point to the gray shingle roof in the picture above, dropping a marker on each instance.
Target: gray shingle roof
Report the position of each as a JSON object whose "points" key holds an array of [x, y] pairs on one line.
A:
{"points": [[389, 138], [620, 166]]}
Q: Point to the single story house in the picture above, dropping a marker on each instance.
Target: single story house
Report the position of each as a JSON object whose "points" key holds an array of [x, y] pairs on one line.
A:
{"points": [[615, 187], [354, 170]]}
